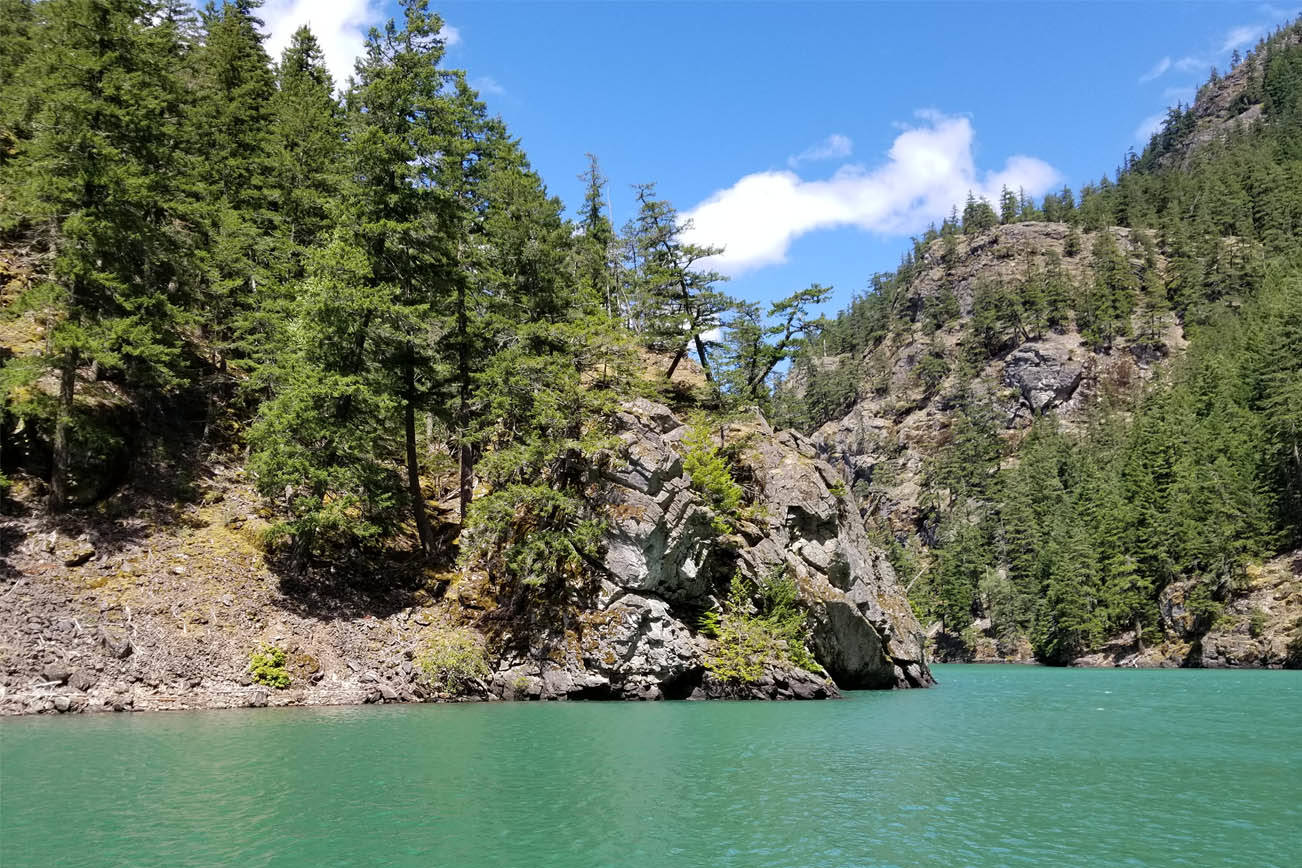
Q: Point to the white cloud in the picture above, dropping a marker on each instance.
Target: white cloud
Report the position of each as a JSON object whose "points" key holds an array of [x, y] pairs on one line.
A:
{"points": [[1148, 126], [1192, 64], [713, 336], [339, 25], [1239, 37], [486, 84], [1158, 69], [833, 147], [928, 169]]}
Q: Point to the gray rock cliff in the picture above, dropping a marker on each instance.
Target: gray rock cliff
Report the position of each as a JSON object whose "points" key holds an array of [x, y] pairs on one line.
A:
{"points": [[666, 564]]}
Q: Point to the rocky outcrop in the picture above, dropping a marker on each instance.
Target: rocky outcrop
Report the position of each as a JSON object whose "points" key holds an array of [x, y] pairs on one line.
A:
{"points": [[1257, 626], [1260, 625], [1231, 103], [1043, 381], [901, 420], [666, 563]]}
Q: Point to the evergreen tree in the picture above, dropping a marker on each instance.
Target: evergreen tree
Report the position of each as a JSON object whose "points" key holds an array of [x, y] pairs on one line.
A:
{"points": [[676, 301], [1066, 622], [307, 144], [306, 152], [1007, 206], [17, 21], [596, 249], [1153, 305], [230, 124], [1057, 294], [753, 349], [978, 215], [370, 303], [98, 184], [544, 398]]}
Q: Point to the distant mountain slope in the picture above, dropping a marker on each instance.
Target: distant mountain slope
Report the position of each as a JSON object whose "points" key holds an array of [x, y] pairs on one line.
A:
{"points": [[1077, 423]]}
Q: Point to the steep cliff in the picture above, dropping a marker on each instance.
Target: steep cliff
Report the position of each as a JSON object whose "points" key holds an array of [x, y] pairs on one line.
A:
{"points": [[901, 421], [666, 563]]}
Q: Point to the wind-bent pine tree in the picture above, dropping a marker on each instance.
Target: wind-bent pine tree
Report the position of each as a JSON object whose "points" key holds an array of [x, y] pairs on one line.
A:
{"points": [[677, 301], [754, 346]]}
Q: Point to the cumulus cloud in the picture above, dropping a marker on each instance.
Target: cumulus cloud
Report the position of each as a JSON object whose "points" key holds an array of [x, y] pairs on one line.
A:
{"points": [[928, 169], [834, 147], [340, 26], [1158, 69]]}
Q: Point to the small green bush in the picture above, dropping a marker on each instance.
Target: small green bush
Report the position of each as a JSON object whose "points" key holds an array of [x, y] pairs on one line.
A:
{"points": [[1203, 606], [747, 640], [710, 475], [452, 658], [268, 667], [1257, 623]]}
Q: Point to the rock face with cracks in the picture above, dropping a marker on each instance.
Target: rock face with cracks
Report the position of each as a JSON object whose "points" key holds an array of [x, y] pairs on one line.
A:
{"points": [[665, 564]]}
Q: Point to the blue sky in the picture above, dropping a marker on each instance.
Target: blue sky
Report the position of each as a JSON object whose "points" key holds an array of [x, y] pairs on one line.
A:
{"points": [[812, 139]]}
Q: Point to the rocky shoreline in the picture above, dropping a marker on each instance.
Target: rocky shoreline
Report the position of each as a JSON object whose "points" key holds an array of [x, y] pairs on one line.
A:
{"points": [[136, 614], [130, 613], [1259, 627]]}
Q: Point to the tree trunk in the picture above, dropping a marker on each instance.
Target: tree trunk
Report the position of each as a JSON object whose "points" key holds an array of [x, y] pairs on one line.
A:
{"points": [[63, 419], [673, 366], [465, 457], [413, 462], [700, 353]]}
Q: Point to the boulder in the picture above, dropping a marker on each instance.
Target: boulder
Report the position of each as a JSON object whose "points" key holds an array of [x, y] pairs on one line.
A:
{"points": [[82, 679], [641, 650], [1043, 380], [59, 673], [116, 641]]}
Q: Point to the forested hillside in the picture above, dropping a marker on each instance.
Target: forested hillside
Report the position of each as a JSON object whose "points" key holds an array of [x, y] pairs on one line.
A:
{"points": [[335, 350], [371, 293], [1082, 418]]}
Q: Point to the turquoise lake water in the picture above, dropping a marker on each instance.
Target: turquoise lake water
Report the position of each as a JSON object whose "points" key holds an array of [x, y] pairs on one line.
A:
{"points": [[999, 765]]}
